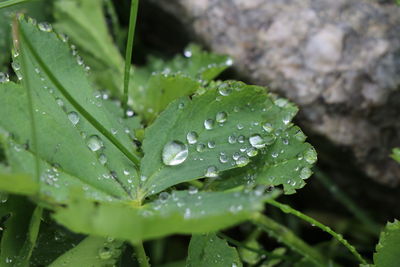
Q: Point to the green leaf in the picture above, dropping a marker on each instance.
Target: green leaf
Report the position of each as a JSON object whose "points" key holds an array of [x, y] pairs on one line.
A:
{"points": [[70, 118], [20, 232], [181, 212], [18, 184], [91, 252], [234, 112], [210, 250], [388, 248], [76, 19], [396, 154]]}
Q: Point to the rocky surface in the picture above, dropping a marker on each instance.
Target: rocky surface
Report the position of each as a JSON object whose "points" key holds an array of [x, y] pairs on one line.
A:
{"points": [[339, 60]]}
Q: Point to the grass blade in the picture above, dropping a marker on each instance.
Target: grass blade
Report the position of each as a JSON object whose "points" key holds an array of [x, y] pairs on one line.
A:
{"points": [[128, 54]]}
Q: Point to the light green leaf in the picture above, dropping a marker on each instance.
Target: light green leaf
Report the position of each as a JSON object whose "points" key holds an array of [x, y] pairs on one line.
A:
{"points": [[18, 184], [91, 252], [210, 250], [396, 154], [287, 162], [388, 248], [181, 212], [76, 133], [234, 114]]}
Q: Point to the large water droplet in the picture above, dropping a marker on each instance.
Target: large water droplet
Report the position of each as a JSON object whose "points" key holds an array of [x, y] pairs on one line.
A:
{"points": [[192, 137], [94, 143], [257, 141], [252, 152], [224, 89], [232, 139], [209, 124], [305, 173], [73, 117], [174, 153], [4, 77], [221, 117], [310, 156], [211, 171], [242, 161]]}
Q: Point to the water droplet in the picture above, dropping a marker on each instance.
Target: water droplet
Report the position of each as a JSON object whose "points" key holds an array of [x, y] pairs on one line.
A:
{"points": [[187, 213], [174, 153], [241, 139], [200, 147], [286, 119], [143, 178], [4, 77], [257, 141], [15, 65], [94, 143], [181, 105], [163, 197], [187, 53], [211, 171], [239, 126], [211, 144], [103, 159], [268, 127], [274, 154], [281, 102], [232, 139], [105, 253], [285, 141], [242, 161], [193, 190], [221, 117], [310, 156], [45, 27], [79, 60], [191, 137], [73, 117], [300, 136], [236, 155], [130, 113], [209, 124], [252, 152], [223, 158], [224, 89], [305, 173], [229, 62], [60, 102]]}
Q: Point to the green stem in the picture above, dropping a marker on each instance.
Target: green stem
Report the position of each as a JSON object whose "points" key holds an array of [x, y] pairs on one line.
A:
{"points": [[12, 2], [131, 156], [128, 54], [347, 202], [290, 239], [141, 256], [339, 237]]}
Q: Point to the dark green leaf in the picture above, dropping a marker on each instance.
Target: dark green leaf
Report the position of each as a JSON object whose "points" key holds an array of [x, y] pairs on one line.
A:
{"points": [[388, 248]]}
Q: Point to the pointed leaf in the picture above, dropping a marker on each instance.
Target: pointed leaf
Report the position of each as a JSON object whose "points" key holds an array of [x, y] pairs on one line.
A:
{"points": [[388, 248]]}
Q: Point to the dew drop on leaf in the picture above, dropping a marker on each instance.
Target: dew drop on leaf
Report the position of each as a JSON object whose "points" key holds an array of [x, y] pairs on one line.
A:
{"points": [[191, 137], [268, 127], [200, 147], [241, 139], [94, 143], [223, 158], [105, 253], [193, 190], [211, 171], [305, 173], [163, 197], [257, 141], [211, 144], [103, 159], [45, 27], [251, 152], [73, 117], [232, 139], [242, 161], [310, 156], [224, 89], [221, 117], [4, 77], [174, 153], [209, 124]]}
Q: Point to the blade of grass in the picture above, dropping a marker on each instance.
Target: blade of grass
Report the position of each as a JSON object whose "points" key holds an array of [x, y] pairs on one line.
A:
{"points": [[132, 157], [347, 202], [287, 237], [9, 3], [287, 209], [128, 54]]}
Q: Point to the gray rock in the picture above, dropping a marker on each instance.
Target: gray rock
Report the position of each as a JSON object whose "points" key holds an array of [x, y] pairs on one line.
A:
{"points": [[339, 60]]}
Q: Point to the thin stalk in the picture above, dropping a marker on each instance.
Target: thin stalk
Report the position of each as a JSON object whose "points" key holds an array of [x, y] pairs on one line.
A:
{"points": [[339, 237], [141, 256], [290, 239], [347, 202], [128, 54], [9, 3], [131, 156]]}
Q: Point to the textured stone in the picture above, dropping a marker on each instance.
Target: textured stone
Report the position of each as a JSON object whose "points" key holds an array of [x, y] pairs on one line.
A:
{"points": [[339, 60]]}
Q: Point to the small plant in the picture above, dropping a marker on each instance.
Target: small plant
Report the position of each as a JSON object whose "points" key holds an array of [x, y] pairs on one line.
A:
{"points": [[93, 173]]}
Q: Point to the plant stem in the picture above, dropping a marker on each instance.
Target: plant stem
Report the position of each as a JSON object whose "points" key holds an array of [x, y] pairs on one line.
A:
{"points": [[339, 237], [141, 255], [287, 237], [128, 53], [347, 202]]}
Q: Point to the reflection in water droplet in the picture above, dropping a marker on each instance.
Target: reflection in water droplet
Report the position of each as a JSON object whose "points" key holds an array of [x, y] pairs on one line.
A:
{"points": [[209, 124], [221, 117], [174, 153], [191, 137], [73, 117], [211, 171], [94, 143], [257, 141]]}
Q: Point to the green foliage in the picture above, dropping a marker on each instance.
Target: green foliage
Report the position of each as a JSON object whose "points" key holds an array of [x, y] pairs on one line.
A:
{"points": [[388, 248], [396, 154], [210, 250]]}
